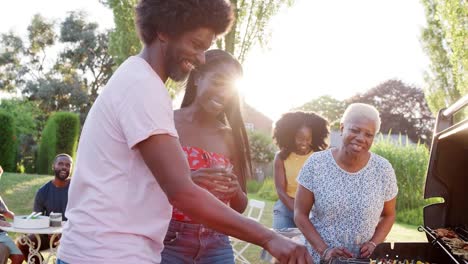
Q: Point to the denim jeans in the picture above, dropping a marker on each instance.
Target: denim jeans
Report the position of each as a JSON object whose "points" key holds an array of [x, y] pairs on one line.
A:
{"points": [[194, 243], [60, 262], [282, 216]]}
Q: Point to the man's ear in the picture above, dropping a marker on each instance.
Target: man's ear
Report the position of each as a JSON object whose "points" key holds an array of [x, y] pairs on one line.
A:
{"points": [[163, 37]]}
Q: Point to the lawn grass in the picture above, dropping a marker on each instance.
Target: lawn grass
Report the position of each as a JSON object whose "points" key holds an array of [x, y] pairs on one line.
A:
{"points": [[18, 191]]}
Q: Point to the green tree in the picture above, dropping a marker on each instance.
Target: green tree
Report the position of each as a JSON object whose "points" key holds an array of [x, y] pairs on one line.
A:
{"points": [[20, 63], [262, 148], [326, 106], [27, 115], [403, 109], [11, 70], [60, 135], [69, 82], [445, 42], [29, 120], [124, 40], [7, 141], [250, 27], [86, 58]]}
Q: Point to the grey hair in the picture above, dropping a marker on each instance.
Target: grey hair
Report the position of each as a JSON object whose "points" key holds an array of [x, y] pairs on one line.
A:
{"points": [[359, 110]]}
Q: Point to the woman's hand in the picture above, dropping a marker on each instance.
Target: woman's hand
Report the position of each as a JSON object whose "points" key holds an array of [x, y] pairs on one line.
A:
{"points": [[367, 248], [211, 179], [230, 188], [336, 253]]}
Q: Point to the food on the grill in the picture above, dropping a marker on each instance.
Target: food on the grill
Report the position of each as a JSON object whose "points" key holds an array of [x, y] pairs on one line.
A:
{"points": [[445, 232], [458, 246], [396, 261], [455, 242], [460, 252]]}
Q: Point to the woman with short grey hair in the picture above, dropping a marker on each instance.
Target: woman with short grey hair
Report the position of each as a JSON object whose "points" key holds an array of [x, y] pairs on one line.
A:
{"points": [[349, 192]]}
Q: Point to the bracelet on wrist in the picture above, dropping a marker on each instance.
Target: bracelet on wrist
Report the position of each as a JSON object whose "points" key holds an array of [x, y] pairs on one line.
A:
{"points": [[324, 254], [372, 243]]}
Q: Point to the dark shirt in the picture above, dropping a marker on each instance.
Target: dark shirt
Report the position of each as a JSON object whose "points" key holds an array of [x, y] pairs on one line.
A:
{"points": [[50, 198]]}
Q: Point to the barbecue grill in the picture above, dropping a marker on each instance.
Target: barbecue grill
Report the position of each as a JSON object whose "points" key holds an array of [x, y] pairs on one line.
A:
{"points": [[447, 178]]}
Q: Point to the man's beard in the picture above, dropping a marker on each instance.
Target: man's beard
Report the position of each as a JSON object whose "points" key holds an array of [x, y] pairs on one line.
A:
{"points": [[60, 177], [172, 63]]}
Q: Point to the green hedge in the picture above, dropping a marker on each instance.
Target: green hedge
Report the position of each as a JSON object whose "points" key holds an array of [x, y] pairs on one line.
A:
{"points": [[410, 163], [268, 190], [253, 186], [7, 142], [60, 135]]}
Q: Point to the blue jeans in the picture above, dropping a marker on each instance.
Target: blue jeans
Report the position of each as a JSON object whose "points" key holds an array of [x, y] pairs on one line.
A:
{"points": [[194, 243], [60, 262], [282, 216]]}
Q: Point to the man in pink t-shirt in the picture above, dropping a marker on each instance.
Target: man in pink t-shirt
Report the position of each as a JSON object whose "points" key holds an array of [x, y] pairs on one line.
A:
{"points": [[130, 167]]}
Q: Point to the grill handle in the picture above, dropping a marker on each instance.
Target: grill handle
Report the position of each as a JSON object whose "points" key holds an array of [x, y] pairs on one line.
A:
{"points": [[462, 102]]}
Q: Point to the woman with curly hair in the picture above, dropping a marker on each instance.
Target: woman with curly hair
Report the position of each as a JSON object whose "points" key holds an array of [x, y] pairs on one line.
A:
{"points": [[298, 135]]}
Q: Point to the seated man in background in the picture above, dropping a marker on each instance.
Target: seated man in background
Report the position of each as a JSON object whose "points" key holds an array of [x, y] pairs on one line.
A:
{"points": [[8, 247], [52, 197]]}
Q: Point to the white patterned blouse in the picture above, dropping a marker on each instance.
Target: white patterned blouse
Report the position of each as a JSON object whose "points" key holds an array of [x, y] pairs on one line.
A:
{"points": [[347, 205]]}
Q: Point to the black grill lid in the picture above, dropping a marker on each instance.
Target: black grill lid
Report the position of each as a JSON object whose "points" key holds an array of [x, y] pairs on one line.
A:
{"points": [[447, 174]]}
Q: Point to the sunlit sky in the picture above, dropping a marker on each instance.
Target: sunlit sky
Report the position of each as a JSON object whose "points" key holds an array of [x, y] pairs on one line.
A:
{"points": [[317, 47]]}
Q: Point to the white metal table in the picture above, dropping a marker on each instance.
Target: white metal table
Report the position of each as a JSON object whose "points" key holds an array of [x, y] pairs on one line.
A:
{"points": [[34, 248]]}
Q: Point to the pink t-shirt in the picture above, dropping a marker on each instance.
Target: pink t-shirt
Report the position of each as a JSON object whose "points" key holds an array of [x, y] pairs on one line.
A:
{"points": [[117, 212]]}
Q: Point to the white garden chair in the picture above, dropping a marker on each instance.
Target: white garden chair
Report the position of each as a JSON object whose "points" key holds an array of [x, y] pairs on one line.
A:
{"points": [[254, 211]]}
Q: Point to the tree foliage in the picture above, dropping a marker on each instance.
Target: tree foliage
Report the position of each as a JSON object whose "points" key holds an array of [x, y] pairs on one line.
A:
{"points": [[250, 27], [326, 106], [445, 42], [262, 148], [60, 135], [29, 120], [124, 40], [67, 82], [27, 115], [7, 141], [403, 109], [11, 69]]}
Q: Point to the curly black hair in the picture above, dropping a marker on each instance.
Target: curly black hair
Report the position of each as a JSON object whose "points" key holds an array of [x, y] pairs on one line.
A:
{"points": [[288, 125], [175, 17], [232, 113]]}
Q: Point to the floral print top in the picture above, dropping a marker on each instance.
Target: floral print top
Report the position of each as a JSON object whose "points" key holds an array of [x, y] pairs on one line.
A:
{"points": [[347, 205], [198, 158]]}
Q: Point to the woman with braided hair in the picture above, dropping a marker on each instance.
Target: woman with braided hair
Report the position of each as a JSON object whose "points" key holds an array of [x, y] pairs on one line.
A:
{"points": [[214, 140]]}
